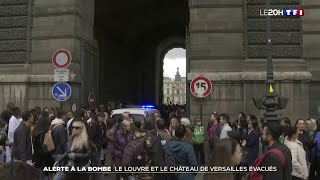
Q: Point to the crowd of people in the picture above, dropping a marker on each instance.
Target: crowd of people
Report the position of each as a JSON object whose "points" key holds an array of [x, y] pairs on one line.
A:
{"points": [[91, 137]]}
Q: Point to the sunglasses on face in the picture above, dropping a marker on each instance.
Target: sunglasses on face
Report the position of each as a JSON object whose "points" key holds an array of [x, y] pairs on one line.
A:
{"points": [[76, 127]]}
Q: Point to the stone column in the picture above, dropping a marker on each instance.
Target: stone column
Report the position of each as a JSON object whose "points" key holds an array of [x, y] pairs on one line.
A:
{"points": [[216, 51], [292, 77], [311, 51], [227, 44], [15, 47], [58, 24]]}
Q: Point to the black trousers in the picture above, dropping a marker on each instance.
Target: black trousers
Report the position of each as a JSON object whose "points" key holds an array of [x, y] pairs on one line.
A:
{"points": [[317, 167], [199, 148], [296, 178], [124, 176]]}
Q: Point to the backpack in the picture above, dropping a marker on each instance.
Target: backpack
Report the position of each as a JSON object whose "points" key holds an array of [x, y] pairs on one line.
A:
{"points": [[257, 175], [48, 144], [136, 153], [170, 159]]}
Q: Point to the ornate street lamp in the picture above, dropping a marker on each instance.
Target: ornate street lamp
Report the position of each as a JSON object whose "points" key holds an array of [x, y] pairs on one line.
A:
{"points": [[271, 103]]}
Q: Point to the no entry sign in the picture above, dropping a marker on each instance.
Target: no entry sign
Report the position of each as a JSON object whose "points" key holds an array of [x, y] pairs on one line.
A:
{"points": [[61, 58], [200, 87]]}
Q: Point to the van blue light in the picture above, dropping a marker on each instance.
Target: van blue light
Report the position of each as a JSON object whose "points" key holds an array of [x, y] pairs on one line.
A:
{"points": [[147, 106]]}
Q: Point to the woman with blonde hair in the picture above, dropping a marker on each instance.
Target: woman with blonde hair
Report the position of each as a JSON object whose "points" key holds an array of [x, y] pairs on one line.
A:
{"points": [[311, 127], [78, 151], [173, 124]]}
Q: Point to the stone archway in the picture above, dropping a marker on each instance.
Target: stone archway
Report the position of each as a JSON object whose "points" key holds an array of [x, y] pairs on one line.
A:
{"points": [[162, 49]]}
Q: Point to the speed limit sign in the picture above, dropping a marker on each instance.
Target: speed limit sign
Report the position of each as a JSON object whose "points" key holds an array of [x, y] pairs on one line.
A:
{"points": [[200, 87]]}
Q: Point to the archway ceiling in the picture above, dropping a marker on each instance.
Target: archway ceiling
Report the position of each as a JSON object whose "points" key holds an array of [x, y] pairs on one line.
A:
{"points": [[138, 20]]}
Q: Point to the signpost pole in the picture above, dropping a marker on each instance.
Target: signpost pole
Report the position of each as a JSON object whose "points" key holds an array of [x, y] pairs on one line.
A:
{"points": [[201, 87], [201, 110], [61, 91]]}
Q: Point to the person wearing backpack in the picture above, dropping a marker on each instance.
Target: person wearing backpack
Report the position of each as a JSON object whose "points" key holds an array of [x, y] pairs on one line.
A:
{"points": [[278, 155], [183, 153], [197, 140], [41, 157], [136, 152], [145, 150], [299, 162], [60, 138]]}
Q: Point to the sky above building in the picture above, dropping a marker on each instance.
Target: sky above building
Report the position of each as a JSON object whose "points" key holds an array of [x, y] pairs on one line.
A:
{"points": [[175, 58]]}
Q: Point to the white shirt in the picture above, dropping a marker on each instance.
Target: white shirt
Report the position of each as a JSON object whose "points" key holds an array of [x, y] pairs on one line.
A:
{"points": [[69, 122], [89, 121], [225, 129], [13, 124], [299, 162]]}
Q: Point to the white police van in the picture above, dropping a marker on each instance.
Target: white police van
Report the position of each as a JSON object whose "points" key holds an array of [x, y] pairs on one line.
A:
{"points": [[139, 114]]}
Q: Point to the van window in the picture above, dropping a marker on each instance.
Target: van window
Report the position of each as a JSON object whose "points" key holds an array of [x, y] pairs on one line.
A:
{"points": [[137, 117]]}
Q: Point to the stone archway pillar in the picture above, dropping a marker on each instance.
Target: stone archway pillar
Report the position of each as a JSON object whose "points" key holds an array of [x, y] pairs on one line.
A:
{"points": [[66, 24], [162, 49]]}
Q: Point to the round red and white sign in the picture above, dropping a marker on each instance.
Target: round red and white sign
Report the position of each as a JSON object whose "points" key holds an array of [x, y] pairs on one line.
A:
{"points": [[200, 87], [61, 58]]}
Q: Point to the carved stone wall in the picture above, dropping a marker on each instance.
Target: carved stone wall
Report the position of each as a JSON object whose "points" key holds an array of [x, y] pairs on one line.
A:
{"points": [[286, 32], [15, 28]]}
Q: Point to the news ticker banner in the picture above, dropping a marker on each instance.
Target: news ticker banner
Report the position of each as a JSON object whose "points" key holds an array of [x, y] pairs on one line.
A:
{"points": [[164, 169]]}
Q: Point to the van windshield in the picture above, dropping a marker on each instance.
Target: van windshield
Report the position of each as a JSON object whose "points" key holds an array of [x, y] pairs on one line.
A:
{"points": [[137, 117]]}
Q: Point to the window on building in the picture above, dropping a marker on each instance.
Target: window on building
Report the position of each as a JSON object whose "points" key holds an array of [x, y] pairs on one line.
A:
{"points": [[177, 91], [168, 91]]}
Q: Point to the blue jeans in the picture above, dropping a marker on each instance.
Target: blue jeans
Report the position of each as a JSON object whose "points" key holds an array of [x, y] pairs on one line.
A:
{"points": [[59, 175]]}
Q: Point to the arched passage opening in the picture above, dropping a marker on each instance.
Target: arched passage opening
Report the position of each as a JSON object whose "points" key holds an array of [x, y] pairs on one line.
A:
{"points": [[163, 48], [174, 77], [133, 39]]}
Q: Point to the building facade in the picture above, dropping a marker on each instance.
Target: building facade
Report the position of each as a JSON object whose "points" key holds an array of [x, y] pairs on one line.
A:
{"points": [[174, 90], [117, 48]]}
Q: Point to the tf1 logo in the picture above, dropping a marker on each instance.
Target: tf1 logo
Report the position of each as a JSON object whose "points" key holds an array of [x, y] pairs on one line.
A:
{"points": [[294, 12]]}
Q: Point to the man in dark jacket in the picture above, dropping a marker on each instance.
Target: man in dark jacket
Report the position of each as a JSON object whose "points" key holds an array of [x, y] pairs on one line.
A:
{"points": [[271, 134], [22, 149], [59, 135], [95, 133], [6, 114], [155, 148], [60, 139], [183, 152]]}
